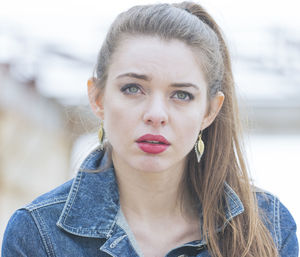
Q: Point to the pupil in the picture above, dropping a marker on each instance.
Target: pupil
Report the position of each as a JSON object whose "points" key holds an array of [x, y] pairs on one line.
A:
{"points": [[133, 89], [181, 95]]}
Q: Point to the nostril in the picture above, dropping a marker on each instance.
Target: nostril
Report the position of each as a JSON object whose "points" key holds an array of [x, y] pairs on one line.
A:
{"points": [[150, 121], [155, 118]]}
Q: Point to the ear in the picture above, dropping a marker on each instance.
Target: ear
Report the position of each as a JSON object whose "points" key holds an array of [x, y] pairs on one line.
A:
{"points": [[95, 98], [214, 108]]}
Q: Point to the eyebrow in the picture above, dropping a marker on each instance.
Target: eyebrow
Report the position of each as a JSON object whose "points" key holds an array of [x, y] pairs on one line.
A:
{"points": [[184, 85], [135, 75], [147, 78]]}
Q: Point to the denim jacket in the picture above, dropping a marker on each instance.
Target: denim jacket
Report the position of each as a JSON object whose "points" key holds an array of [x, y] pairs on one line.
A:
{"points": [[83, 218]]}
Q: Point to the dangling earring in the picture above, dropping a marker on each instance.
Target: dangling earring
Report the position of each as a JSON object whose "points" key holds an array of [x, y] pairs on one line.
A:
{"points": [[101, 136], [199, 147]]}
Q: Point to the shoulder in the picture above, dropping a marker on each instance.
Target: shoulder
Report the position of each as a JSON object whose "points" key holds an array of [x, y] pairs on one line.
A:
{"points": [[28, 224], [278, 219], [272, 208]]}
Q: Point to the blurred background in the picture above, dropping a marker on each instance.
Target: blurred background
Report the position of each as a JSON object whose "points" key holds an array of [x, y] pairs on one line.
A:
{"points": [[48, 50]]}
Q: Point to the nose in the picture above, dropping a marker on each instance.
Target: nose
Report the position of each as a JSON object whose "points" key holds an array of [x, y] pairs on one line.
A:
{"points": [[156, 112]]}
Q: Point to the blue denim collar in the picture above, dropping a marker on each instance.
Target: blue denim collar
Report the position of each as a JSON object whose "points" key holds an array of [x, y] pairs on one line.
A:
{"points": [[93, 201], [93, 204]]}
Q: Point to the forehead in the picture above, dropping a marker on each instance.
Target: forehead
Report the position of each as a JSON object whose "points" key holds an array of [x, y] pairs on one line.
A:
{"points": [[156, 57]]}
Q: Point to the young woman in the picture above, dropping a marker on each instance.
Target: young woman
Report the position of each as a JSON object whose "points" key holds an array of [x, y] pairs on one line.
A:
{"points": [[170, 178]]}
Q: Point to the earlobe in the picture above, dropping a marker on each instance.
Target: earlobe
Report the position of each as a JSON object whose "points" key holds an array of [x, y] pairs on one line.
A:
{"points": [[215, 106], [95, 98]]}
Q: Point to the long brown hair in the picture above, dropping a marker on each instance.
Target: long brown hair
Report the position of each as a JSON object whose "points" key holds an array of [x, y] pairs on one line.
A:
{"points": [[222, 162]]}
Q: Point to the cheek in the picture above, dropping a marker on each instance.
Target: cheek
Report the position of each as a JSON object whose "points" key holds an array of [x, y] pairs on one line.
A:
{"points": [[112, 118], [190, 131], [187, 128], [118, 120], [192, 121]]}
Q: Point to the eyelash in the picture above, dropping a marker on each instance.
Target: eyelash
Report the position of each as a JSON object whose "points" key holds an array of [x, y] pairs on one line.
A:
{"points": [[125, 90], [189, 95], [127, 87]]}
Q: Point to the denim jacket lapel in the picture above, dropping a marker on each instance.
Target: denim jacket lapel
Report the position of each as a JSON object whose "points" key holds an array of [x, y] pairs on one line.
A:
{"points": [[93, 201]]}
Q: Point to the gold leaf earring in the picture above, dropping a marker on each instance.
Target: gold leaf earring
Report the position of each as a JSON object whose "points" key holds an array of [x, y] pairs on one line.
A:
{"points": [[101, 136], [199, 147]]}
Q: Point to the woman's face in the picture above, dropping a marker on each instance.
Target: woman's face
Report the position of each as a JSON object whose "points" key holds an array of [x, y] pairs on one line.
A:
{"points": [[154, 104]]}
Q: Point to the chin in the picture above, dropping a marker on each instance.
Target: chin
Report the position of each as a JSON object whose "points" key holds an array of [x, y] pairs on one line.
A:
{"points": [[151, 164]]}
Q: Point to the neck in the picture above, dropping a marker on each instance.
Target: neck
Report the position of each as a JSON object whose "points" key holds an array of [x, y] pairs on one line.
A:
{"points": [[149, 195]]}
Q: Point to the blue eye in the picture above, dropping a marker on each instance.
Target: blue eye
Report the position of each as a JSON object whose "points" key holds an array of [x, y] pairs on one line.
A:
{"points": [[184, 96], [131, 89]]}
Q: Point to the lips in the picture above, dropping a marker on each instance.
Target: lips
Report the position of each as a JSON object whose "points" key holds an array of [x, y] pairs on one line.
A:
{"points": [[153, 144], [153, 138]]}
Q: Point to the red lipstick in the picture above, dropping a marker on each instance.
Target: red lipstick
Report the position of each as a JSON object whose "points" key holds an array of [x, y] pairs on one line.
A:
{"points": [[153, 144]]}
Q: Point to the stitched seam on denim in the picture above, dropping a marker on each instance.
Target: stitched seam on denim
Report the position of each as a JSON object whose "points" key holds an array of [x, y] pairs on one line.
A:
{"points": [[86, 232], [109, 252], [235, 210], [278, 227], [45, 238], [71, 200], [117, 241], [231, 193], [232, 210], [110, 231], [34, 206]]}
